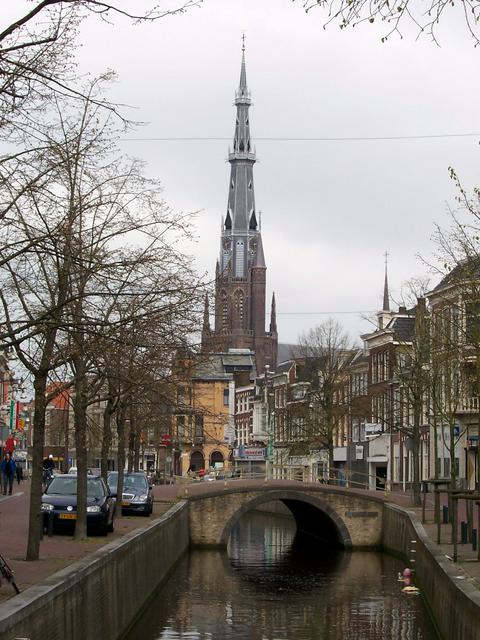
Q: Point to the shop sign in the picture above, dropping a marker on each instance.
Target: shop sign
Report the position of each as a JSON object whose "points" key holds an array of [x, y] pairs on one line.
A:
{"points": [[249, 453]]}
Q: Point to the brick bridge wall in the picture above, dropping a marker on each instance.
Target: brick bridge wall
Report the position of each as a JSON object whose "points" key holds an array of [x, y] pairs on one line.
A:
{"points": [[357, 518]]}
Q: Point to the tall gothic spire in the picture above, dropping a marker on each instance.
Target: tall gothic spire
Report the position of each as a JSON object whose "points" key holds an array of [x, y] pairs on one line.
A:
{"points": [[386, 296], [240, 275], [240, 215]]}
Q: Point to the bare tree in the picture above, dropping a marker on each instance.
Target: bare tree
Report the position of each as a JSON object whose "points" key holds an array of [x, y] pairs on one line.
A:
{"points": [[397, 17], [326, 351], [96, 234], [37, 52], [457, 300]]}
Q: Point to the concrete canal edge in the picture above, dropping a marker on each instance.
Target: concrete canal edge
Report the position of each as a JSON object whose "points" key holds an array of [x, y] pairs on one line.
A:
{"points": [[454, 602], [100, 596]]}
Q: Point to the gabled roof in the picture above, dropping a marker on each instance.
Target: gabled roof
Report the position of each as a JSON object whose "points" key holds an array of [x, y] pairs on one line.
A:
{"points": [[285, 367], [222, 366], [466, 270], [403, 327]]}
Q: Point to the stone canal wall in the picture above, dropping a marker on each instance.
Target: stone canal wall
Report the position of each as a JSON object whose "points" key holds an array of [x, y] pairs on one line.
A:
{"points": [[455, 603], [99, 596]]}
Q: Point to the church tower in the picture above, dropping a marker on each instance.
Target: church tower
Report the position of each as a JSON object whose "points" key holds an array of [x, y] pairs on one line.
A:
{"points": [[240, 277]]}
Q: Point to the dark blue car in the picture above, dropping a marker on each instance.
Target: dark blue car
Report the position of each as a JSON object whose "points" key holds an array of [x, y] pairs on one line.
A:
{"points": [[60, 499], [137, 493]]}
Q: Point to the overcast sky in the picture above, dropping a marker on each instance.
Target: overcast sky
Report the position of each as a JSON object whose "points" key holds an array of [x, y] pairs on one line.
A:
{"points": [[329, 209]]}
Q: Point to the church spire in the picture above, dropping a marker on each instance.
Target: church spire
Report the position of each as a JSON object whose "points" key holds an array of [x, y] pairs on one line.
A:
{"points": [[386, 296], [240, 277], [273, 316], [206, 330]]}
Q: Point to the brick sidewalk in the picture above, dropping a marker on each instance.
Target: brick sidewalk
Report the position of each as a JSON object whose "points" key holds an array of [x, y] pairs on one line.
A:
{"points": [[55, 552]]}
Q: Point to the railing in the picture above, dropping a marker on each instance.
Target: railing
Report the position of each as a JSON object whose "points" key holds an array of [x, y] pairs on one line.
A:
{"points": [[470, 405], [298, 474]]}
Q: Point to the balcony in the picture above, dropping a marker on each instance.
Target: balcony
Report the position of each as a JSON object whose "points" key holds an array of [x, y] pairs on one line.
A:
{"points": [[469, 405]]}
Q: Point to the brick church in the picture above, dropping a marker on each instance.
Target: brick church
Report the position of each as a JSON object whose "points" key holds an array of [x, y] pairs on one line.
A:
{"points": [[240, 275]]}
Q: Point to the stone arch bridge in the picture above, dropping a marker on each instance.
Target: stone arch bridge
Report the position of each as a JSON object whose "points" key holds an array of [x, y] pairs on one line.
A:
{"points": [[349, 517]]}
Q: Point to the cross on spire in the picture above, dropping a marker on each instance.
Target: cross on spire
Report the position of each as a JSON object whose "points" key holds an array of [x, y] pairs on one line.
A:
{"points": [[243, 42]]}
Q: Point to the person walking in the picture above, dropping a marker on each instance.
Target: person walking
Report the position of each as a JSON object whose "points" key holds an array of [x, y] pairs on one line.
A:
{"points": [[7, 469], [18, 471]]}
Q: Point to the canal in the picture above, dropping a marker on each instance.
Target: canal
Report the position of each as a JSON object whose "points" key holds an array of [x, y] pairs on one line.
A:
{"points": [[274, 584]]}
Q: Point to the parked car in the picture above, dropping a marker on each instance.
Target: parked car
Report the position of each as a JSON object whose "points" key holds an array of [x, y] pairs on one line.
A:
{"points": [[60, 499], [90, 472], [137, 493]]}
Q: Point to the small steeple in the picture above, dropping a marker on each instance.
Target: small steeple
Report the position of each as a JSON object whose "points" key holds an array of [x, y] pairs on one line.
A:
{"points": [[386, 296], [385, 315], [206, 330], [273, 316], [259, 255]]}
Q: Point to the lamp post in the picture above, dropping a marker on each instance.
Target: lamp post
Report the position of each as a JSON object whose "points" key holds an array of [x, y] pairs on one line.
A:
{"points": [[269, 456]]}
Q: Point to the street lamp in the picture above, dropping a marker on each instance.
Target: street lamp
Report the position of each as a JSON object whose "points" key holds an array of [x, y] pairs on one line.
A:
{"points": [[269, 456]]}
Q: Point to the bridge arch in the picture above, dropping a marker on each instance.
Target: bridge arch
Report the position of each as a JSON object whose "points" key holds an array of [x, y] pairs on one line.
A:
{"points": [[302, 506]]}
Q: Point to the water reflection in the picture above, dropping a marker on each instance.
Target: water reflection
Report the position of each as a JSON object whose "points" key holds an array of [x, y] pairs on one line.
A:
{"points": [[275, 585]]}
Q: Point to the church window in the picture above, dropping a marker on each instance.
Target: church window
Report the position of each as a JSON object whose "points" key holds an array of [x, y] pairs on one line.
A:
{"points": [[250, 184], [224, 308], [239, 302], [239, 260], [233, 184], [241, 146]]}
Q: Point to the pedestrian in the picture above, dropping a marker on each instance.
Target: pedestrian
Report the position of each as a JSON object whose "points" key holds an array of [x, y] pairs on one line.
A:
{"points": [[8, 473], [19, 472]]}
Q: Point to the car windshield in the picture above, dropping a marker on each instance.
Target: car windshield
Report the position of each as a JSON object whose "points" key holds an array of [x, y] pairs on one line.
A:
{"points": [[130, 481], [68, 487]]}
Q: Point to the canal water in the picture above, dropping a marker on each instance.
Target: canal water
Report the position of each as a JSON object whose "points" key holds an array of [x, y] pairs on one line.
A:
{"points": [[272, 584]]}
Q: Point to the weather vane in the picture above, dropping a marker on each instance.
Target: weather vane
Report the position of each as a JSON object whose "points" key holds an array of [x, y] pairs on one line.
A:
{"points": [[243, 42], [386, 254]]}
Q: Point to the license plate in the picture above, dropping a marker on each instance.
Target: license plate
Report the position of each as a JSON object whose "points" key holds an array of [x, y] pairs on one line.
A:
{"points": [[68, 516], [125, 503]]}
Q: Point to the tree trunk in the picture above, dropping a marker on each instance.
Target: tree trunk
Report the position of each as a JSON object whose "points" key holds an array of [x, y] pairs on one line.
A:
{"points": [[453, 468], [35, 515], [416, 436], [136, 451], [80, 416], [66, 412], [106, 437], [131, 437], [121, 420]]}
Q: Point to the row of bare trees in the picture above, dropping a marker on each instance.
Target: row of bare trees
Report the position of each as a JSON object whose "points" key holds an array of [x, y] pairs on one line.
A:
{"points": [[96, 293], [432, 380]]}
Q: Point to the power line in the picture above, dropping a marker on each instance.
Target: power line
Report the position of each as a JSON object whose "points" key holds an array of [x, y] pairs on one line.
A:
{"points": [[317, 313], [305, 139]]}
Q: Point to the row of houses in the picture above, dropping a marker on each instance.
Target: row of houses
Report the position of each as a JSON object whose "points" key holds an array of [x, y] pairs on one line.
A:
{"points": [[401, 408]]}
